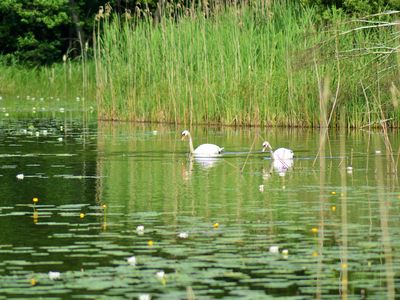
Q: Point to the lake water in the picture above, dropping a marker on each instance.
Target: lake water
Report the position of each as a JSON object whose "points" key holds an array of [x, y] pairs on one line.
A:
{"points": [[234, 227]]}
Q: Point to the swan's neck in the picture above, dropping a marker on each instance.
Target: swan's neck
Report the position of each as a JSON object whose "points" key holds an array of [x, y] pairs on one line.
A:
{"points": [[191, 144]]}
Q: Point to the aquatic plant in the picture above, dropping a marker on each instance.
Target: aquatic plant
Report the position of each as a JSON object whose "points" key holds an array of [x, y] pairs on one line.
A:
{"points": [[248, 65]]}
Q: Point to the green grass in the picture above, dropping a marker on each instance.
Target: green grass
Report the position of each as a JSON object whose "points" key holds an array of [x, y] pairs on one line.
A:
{"points": [[244, 66]]}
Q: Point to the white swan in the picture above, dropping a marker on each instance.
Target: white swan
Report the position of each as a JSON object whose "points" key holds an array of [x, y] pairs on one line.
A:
{"points": [[279, 154], [204, 150]]}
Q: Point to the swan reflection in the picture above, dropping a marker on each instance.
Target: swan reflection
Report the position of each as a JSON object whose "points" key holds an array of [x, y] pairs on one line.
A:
{"points": [[206, 162], [280, 166], [203, 162]]}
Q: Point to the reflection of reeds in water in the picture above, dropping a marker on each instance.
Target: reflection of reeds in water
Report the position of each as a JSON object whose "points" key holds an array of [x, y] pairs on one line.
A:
{"points": [[344, 222], [384, 224]]}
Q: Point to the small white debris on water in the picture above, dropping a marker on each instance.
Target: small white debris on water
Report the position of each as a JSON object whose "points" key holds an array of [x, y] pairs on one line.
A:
{"points": [[285, 252], [160, 275], [54, 275], [20, 176], [62, 109], [183, 235], [261, 188], [60, 139], [144, 297], [132, 260], [349, 169], [377, 151], [274, 249], [140, 229]]}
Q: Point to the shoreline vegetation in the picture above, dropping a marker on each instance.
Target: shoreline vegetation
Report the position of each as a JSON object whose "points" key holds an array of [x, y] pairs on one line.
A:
{"points": [[243, 65]]}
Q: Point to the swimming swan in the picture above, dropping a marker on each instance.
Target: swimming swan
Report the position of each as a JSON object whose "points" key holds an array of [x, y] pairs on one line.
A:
{"points": [[278, 154], [202, 150]]}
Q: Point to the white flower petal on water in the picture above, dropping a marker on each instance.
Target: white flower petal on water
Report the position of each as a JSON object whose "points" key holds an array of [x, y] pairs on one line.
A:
{"points": [[131, 260], [183, 235], [54, 275], [274, 249], [140, 229], [144, 297], [160, 274]]}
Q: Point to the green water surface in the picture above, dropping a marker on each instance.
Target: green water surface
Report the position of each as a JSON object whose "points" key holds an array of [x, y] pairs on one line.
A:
{"points": [[212, 226]]}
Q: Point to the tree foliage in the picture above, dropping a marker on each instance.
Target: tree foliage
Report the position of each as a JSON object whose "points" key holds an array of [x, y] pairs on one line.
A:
{"points": [[354, 7], [34, 31]]}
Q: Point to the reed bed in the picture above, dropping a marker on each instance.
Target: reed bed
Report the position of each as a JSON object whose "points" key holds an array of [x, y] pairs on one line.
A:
{"points": [[69, 85], [247, 65], [254, 64]]}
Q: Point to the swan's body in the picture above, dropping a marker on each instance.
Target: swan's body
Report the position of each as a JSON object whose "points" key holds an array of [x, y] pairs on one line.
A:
{"points": [[281, 154], [204, 149], [282, 166]]}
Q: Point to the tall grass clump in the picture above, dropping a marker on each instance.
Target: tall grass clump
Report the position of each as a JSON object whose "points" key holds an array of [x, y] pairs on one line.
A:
{"points": [[250, 64]]}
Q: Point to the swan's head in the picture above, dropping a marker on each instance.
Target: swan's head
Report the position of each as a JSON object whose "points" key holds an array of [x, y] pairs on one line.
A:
{"points": [[184, 134], [266, 146]]}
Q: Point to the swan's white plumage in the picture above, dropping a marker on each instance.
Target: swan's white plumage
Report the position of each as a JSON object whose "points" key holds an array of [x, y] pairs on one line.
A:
{"points": [[204, 149], [282, 165], [208, 149], [278, 154]]}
